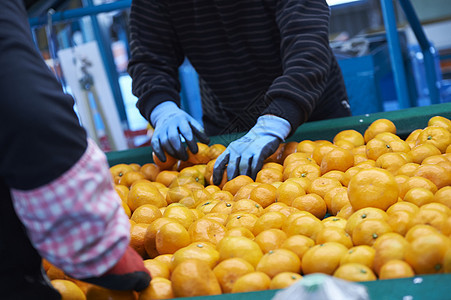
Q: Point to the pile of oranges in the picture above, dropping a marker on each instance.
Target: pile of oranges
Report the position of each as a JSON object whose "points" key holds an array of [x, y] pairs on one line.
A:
{"points": [[361, 207]]}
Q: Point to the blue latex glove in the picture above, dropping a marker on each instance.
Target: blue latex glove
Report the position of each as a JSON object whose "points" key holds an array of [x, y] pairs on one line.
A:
{"points": [[171, 124], [245, 156]]}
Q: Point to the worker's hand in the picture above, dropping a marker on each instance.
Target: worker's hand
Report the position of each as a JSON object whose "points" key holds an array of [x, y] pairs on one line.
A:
{"points": [[128, 274], [245, 156], [171, 125]]}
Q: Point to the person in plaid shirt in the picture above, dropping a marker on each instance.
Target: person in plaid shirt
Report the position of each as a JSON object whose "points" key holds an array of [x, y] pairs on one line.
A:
{"points": [[57, 199]]}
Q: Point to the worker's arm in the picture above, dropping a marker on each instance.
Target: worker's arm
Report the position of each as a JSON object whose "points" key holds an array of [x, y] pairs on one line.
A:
{"points": [[155, 57], [60, 183], [306, 61]]}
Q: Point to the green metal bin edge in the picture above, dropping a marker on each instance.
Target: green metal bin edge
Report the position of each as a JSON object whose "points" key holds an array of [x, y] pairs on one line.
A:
{"points": [[406, 120], [427, 287]]}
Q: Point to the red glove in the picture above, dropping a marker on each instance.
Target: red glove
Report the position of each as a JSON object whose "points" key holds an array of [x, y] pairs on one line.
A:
{"points": [[128, 274]]}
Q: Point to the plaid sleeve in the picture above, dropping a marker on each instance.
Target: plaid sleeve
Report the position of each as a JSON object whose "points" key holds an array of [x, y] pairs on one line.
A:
{"points": [[76, 221]]}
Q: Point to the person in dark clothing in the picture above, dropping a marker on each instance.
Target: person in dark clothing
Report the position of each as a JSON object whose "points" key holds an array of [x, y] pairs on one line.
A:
{"points": [[265, 68], [57, 199]]}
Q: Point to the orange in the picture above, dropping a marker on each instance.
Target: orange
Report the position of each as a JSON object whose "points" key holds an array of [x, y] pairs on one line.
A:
{"points": [[119, 170], [337, 159], [196, 172], [206, 206], [240, 231], [377, 147], [277, 155], [306, 146], [166, 177], [367, 231], [270, 219], [150, 171], [334, 221], [202, 251], [354, 272], [164, 258], [426, 253], [322, 185], [416, 181], [373, 188], [353, 136], [310, 171], [171, 237], [289, 148], [378, 126], [438, 136], [396, 268], [360, 158], [264, 194], [245, 191], [157, 268], [422, 151], [130, 177], [364, 214], [223, 196], [215, 150], [391, 162], [224, 207], [193, 278], [350, 173], [150, 235], [248, 206], [369, 163], [296, 157], [302, 181], [420, 230], [438, 206], [412, 137], [229, 270], [68, 289], [280, 207], [389, 246], [440, 122], [177, 193], [212, 188], [179, 213], [54, 272], [362, 254], [127, 209], [334, 234], [287, 191], [432, 217], [278, 261], [323, 258], [201, 157], [206, 230], [443, 196], [137, 238], [159, 288], [305, 225], [312, 203], [284, 280], [298, 244], [335, 174], [254, 281], [434, 159], [330, 194], [146, 213], [122, 191], [407, 169], [270, 239], [238, 246], [346, 211], [272, 165], [419, 196], [435, 173], [221, 218], [241, 219], [167, 164], [321, 150], [269, 175], [236, 183], [141, 194], [387, 136], [401, 221], [339, 200], [344, 145]]}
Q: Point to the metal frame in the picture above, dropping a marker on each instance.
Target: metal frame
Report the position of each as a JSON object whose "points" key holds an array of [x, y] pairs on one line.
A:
{"points": [[396, 55]]}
